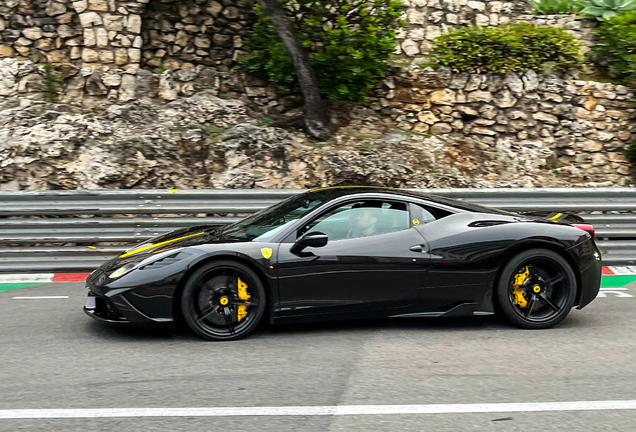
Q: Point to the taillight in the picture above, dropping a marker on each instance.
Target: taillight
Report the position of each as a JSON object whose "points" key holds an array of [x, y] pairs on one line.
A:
{"points": [[585, 227]]}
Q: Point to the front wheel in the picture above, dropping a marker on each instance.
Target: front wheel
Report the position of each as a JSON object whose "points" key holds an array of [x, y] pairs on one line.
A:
{"points": [[536, 289], [223, 300]]}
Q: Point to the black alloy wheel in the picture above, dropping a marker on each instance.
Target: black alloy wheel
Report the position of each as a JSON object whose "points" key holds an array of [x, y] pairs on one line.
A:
{"points": [[536, 290], [223, 300]]}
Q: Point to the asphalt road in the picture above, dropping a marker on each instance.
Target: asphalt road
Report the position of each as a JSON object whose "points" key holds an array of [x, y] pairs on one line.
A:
{"points": [[52, 356]]}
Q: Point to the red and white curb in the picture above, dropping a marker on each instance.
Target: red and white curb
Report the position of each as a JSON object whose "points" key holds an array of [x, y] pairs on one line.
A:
{"points": [[619, 271], [12, 278]]}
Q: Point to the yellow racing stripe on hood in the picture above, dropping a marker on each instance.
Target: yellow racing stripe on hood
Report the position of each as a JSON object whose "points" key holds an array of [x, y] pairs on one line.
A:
{"points": [[141, 249]]}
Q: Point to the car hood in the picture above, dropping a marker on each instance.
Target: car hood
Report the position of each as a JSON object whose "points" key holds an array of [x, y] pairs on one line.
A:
{"points": [[192, 236]]}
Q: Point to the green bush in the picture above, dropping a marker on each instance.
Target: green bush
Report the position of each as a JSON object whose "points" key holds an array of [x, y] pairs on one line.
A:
{"points": [[550, 7], [605, 9], [349, 43], [615, 48], [516, 47]]}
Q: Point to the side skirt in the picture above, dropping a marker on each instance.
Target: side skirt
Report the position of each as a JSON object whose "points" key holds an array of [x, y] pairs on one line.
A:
{"points": [[461, 310]]}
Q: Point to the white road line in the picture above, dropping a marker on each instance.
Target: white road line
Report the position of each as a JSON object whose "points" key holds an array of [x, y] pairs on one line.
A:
{"points": [[615, 292], [320, 410], [40, 297], [26, 278]]}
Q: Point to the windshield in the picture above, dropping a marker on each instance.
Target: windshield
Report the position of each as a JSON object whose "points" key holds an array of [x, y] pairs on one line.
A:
{"points": [[263, 225]]}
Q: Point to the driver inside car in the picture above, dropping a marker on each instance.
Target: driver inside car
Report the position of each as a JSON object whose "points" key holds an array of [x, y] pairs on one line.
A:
{"points": [[362, 220]]}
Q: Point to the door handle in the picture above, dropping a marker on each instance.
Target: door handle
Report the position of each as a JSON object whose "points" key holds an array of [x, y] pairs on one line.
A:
{"points": [[418, 248]]}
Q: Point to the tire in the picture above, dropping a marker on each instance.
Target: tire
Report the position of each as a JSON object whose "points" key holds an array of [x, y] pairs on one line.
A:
{"points": [[549, 289], [210, 301]]}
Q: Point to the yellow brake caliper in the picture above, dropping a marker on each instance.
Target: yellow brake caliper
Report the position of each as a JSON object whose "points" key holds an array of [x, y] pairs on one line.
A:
{"points": [[241, 311], [517, 293]]}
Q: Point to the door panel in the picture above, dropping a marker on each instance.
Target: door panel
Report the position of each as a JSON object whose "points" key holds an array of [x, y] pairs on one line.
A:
{"points": [[352, 274], [463, 266]]}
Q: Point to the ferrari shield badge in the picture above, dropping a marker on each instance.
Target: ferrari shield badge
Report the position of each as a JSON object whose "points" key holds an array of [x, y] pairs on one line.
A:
{"points": [[267, 252]]}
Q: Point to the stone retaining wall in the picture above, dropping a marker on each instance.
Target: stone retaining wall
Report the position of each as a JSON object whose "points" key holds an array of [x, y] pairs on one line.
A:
{"points": [[583, 124], [40, 30], [203, 32], [427, 19], [581, 29], [86, 32], [581, 127], [111, 30], [88, 88], [171, 34], [89, 33]]}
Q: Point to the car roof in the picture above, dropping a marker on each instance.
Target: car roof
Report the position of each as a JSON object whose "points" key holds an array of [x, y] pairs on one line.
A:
{"points": [[339, 191]]}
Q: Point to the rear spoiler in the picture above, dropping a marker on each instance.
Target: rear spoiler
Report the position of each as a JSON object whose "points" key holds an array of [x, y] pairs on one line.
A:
{"points": [[563, 218], [556, 217]]}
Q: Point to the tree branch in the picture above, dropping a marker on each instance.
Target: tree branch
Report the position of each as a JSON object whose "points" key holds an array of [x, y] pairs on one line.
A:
{"points": [[316, 115]]}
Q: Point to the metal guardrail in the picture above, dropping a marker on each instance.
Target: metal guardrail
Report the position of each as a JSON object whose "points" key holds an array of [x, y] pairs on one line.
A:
{"points": [[51, 219]]}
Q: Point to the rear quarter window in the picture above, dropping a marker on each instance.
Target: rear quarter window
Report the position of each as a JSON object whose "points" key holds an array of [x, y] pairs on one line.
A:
{"points": [[422, 214]]}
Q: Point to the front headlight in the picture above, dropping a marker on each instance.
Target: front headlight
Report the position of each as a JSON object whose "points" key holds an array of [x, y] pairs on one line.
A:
{"points": [[121, 271]]}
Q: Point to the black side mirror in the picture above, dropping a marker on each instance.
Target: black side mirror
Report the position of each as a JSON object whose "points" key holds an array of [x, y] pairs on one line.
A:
{"points": [[312, 239]]}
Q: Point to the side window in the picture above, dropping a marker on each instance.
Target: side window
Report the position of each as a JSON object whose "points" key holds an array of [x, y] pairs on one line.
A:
{"points": [[361, 219], [421, 214]]}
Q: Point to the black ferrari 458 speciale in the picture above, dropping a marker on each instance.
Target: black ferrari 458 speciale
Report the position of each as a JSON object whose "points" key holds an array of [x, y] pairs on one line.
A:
{"points": [[353, 252]]}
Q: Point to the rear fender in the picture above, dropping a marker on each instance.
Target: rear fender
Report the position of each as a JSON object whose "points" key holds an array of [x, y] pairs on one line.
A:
{"points": [[540, 244]]}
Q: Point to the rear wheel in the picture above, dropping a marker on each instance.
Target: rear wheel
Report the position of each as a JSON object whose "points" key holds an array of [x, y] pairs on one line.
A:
{"points": [[536, 290], [223, 300]]}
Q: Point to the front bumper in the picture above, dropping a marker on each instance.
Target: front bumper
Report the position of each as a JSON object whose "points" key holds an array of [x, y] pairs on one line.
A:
{"points": [[112, 305], [102, 309]]}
